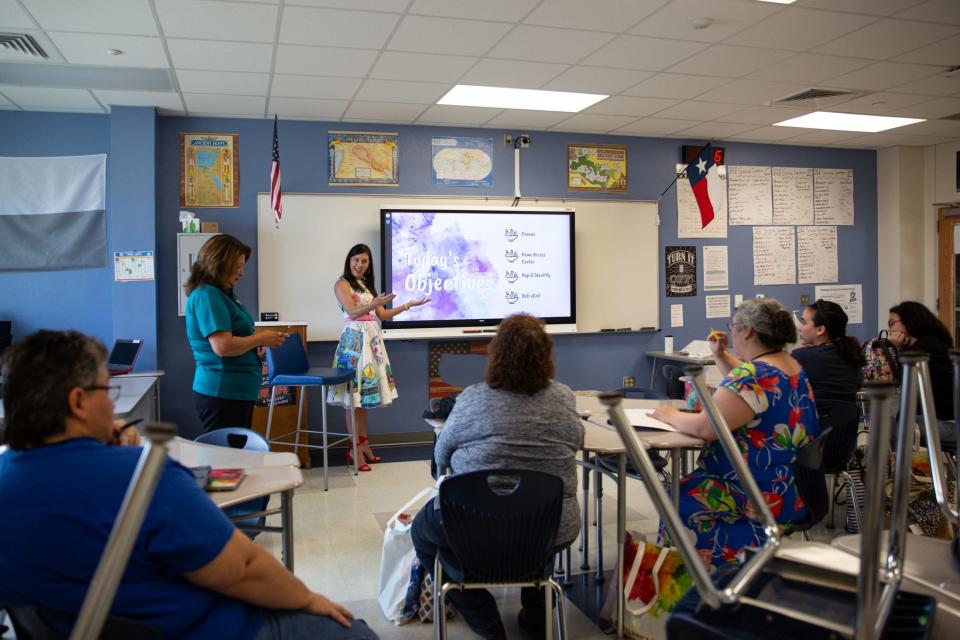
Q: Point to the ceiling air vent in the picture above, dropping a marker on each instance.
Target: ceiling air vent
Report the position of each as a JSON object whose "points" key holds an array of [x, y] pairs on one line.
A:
{"points": [[23, 43], [817, 97]]}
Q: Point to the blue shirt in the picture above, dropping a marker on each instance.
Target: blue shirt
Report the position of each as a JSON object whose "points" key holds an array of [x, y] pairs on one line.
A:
{"points": [[233, 377], [59, 503]]}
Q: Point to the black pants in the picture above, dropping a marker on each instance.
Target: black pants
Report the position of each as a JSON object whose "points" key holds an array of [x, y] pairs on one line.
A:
{"points": [[217, 413], [477, 606]]}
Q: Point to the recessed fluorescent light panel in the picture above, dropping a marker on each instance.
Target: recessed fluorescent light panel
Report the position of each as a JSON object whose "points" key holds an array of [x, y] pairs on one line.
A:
{"points": [[465, 95], [847, 122]]}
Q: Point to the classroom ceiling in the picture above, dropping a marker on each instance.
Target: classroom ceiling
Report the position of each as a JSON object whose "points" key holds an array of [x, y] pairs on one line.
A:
{"points": [[389, 61]]}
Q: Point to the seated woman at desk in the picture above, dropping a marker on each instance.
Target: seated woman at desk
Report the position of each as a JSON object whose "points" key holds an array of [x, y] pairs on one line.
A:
{"points": [[832, 359], [767, 403], [520, 418]]}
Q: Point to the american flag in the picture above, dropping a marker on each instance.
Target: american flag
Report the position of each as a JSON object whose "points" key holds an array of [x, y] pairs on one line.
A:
{"points": [[275, 192]]}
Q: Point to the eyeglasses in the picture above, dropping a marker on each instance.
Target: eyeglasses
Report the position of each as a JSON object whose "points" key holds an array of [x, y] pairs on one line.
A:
{"points": [[113, 390], [892, 323]]}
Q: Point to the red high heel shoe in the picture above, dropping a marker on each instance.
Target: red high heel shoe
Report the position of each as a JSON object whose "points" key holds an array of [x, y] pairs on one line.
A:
{"points": [[364, 441], [360, 467]]}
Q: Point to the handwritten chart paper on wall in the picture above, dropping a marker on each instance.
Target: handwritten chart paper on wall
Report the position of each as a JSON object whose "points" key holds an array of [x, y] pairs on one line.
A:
{"points": [[688, 214], [774, 255], [792, 195], [750, 200], [817, 254], [833, 196]]}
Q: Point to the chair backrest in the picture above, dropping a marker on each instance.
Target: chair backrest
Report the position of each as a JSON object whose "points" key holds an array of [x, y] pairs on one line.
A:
{"points": [[31, 623], [843, 420], [671, 375], [501, 524], [290, 358], [235, 438], [811, 484], [642, 393]]}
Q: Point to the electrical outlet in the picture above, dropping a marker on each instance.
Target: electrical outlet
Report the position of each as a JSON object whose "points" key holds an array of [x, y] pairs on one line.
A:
{"points": [[629, 381], [507, 140], [804, 298]]}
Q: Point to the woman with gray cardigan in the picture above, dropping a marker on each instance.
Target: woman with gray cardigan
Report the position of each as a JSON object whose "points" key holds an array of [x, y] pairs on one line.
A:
{"points": [[519, 418]]}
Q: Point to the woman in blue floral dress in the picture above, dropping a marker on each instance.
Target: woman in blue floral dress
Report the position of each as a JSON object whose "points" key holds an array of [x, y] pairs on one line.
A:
{"points": [[768, 404]]}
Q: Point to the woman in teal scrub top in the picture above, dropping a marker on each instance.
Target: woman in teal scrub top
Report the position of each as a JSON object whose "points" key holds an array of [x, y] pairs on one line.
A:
{"points": [[220, 331]]}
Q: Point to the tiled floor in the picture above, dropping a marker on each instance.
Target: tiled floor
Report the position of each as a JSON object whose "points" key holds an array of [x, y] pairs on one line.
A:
{"points": [[339, 533]]}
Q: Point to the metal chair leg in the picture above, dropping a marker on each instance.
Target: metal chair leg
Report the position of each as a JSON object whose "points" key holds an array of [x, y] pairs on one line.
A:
{"points": [[598, 516], [584, 517], [296, 434], [548, 600], [273, 396], [439, 597], [561, 613], [323, 418]]}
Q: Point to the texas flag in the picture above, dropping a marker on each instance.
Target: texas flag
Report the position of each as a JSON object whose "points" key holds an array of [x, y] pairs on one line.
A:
{"points": [[698, 173]]}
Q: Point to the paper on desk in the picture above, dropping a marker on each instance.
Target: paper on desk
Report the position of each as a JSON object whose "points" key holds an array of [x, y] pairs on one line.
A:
{"points": [[641, 418], [698, 349]]}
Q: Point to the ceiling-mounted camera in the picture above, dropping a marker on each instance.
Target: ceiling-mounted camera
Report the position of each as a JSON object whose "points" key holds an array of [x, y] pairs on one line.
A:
{"points": [[522, 141]]}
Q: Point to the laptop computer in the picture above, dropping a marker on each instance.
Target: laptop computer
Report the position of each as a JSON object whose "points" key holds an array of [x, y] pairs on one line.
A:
{"points": [[123, 355]]}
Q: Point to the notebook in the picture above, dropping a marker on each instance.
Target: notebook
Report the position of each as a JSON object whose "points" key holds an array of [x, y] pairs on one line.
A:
{"points": [[123, 355], [225, 479]]}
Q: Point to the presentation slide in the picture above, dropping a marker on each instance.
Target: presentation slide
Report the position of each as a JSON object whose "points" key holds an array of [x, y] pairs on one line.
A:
{"points": [[479, 265]]}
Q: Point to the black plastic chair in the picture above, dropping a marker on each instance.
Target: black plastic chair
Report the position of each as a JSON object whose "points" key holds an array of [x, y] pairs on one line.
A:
{"points": [[501, 525], [31, 623], [811, 482], [843, 418]]}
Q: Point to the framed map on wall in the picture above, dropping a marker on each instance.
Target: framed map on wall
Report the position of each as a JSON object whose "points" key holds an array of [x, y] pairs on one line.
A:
{"points": [[363, 159], [209, 170], [595, 167]]}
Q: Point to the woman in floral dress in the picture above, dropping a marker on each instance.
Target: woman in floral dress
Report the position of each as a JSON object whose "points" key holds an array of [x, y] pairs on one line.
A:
{"points": [[767, 402], [361, 345]]}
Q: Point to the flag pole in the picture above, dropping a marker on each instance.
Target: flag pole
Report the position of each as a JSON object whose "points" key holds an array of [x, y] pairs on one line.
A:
{"points": [[677, 176]]}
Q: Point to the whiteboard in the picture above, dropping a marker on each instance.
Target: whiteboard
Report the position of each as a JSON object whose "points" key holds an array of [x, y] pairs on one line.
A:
{"points": [[616, 244]]}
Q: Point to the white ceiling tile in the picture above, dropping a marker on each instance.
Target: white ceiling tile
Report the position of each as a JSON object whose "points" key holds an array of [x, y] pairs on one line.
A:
{"points": [[888, 38], [314, 87], [168, 101], [525, 118], [446, 35], [43, 98], [383, 111], [220, 56], [872, 7], [945, 52], [228, 82], [729, 61], [884, 140], [675, 85], [592, 123], [324, 61], [697, 110], [498, 10], [511, 73], [809, 68], [631, 106], [729, 17], [89, 48], [395, 65], [402, 91], [605, 15], [656, 126], [547, 44], [936, 108], [762, 115], [881, 75], [596, 80], [336, 28], [192, 19], [305, 108], [641, 52], [800, 29], [95, 16], [766, 134], [751, 92], [940, 11], [395, 6], [933, 128], [449, 114], [815, 137], [715, 130], [937, 85], [234, 105], [12, 16], [879, 103]]}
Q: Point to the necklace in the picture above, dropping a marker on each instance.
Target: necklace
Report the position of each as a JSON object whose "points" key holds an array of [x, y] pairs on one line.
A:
{"points": [[765, 353]]}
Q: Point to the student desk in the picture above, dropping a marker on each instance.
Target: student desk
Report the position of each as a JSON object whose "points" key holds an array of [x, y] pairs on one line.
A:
{"points": [[603, 439], [267, 473], [674, 356]]}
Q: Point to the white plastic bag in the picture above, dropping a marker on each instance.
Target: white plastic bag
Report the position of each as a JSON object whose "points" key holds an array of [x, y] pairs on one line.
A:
{"points": [[397, 557]]}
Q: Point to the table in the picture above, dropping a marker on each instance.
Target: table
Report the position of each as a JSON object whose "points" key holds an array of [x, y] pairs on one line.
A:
{"points": [[674, 356], [267, 473], [139, 397], [602, 439]]}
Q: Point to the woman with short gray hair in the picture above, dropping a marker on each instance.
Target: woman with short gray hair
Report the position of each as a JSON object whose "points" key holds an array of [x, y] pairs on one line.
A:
{"points": [[766, 401]]}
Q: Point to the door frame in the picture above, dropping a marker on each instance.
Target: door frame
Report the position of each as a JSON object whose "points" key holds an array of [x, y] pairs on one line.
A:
{"points": [[947, 219]]}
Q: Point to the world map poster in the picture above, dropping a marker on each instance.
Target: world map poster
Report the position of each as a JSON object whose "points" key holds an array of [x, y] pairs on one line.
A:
{"points": [[363, 159], [209, 164]]}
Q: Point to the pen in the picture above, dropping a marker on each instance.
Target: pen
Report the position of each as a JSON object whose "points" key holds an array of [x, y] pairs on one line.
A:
{"points": [[131, 423]]}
